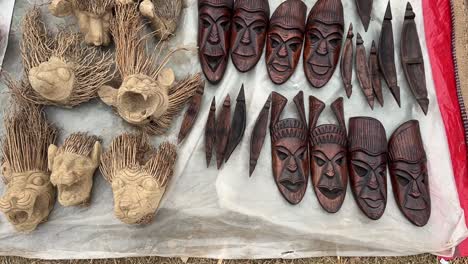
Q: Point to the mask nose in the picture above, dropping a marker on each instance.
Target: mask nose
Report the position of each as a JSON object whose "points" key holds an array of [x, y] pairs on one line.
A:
{"points": [[373, 184], [322, 48], [292, 165], [96, 32], [282, 51], [213, 38], [246, 37], [415, 193], [329, 171]]}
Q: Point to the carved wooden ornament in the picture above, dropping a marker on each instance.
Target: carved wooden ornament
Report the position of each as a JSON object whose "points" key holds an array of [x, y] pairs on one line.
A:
{"points": [[164, 16], [192, 113], [239, 120], [249, 30], [412, 59], [258, 135], [289, 149], [362, 71], [323, 39], [284, 40], [214, 32], [367, 163], [72, 167], [347, 62], [223, 126], [375, 74], [210, 133], [328, 155], [386, 56], [408, 172], [364, 8]]}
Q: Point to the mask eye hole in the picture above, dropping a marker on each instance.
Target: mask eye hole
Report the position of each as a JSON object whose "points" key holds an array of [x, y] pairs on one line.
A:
{"points": [[319, 161], [38, 181], [225, 25], [334, 42], [402, 180], [294, 46], [339, 161], [206, 23], [282, 155], [239, 26], [259, 29], [148, 184], [360, 170], [274, 43], [314, 38]]}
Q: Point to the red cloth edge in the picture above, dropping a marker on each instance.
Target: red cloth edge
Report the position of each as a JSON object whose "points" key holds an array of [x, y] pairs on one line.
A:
{"points": [[438, 29]]}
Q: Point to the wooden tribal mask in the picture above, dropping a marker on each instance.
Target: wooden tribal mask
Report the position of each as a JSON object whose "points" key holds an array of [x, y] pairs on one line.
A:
{"points": [[323, 39], [289, 149], [214, 32], [58, 68], [93, 17], [367, 163], [139, 176], [408, 172], [29, 196], [149, 95], [328, 156], [249, 29], [284, 40], [72, 167]]}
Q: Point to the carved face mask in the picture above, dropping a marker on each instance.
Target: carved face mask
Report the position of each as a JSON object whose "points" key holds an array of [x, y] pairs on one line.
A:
{"points": [[328, 156], [289, 149], [250, 23], [367, 162], [138, 185], [284, 40], [28, 199], [73, 166], [408, 171], [214, 30], [323, 39]]}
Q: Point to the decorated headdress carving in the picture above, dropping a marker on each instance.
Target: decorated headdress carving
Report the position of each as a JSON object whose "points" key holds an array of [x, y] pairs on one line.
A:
{"points": [[362, 140], [406, 143], [288, 127], [217, 3], [290, 15], [253, 5], [328, 11], [323, 134]]}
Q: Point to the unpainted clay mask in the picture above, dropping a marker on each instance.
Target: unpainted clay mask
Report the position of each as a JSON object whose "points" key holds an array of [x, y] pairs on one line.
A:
{"points": [[408, 171], [93, 17], [289, 149], [284, 40], [138, 184], [53, 79], [250, 24], [164, 18], [367, 163], [328, 156], [29, 196], [324, 36], [214, 32], [140, 98], [72, 168]]}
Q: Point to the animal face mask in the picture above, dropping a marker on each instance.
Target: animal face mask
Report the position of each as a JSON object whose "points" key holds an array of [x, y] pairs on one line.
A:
{"points": [[284, 40], [250, 24], [214, 31], [324, 35], [138, 185], [367, 162], [289, 149], [73, 166], [328, 156], [408, 172]]}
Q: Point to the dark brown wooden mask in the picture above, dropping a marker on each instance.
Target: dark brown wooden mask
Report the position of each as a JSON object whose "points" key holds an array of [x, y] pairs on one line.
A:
{"points": [[323, 38], [367, 163], [408, 172], [249, 29], [328, 156], [284, 40], [214, 31], [289, 149]]}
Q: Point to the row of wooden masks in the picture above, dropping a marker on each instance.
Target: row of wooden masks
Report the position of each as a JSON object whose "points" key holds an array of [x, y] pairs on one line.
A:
{"points": [[322, 35], [62, 72]]}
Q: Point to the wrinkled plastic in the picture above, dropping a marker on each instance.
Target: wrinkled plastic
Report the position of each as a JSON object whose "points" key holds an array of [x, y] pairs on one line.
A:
{"points": [[226, 214]]}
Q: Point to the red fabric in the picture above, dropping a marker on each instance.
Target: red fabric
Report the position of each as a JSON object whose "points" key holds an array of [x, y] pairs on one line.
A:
{"points": [[438, 27]]}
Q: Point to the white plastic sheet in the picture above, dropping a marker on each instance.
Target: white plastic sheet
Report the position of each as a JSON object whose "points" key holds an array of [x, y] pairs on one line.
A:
{"points": [[6, 11], [226, 214]]}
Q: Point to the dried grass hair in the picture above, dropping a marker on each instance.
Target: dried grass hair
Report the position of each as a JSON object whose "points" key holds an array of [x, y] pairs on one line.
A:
{"points": [[167, 17], [27, 136], [132, 58], [98, 7], [134, 151], [79, 143], [92, 67]]}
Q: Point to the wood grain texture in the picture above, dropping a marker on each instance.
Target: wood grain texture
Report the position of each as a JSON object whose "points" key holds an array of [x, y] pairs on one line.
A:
{"points": [[239, 122], [364, 8], [223, 126], [375, 74], [258, 135], [191, 114], [210, 133], [347, 62], [362, 71]]}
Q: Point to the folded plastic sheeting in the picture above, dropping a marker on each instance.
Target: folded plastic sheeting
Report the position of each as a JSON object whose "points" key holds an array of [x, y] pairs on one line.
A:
{"points": [[6, 10], [226, 214]]}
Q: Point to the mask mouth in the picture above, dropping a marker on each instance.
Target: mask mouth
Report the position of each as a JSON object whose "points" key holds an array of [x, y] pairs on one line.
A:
{"points": [[331, 192], [319, 69], [415, 204], [213, 61], [18, 217], [292, 186], [279, 67], [244, 51], [373, 203]]}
